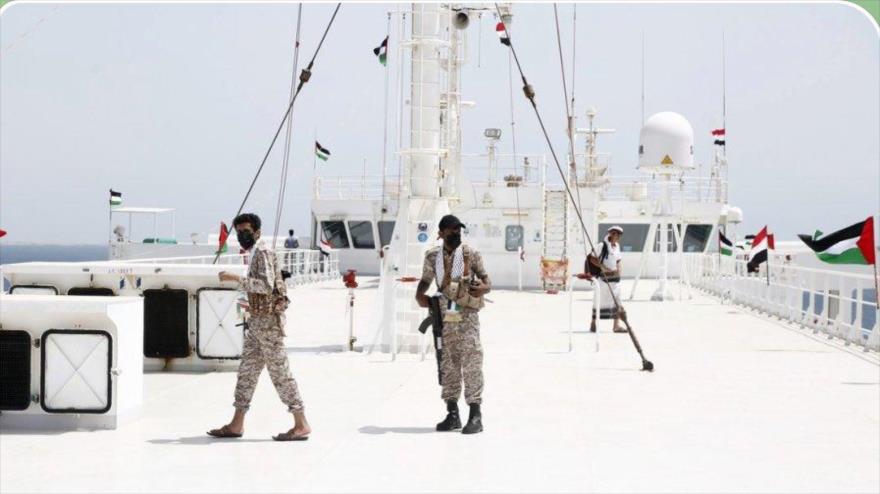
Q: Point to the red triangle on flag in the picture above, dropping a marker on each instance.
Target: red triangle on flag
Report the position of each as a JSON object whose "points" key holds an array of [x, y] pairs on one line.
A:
{"points": [[866, 241], [2, 232]]}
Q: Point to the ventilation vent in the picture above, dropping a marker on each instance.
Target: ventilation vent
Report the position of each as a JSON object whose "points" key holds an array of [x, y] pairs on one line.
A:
{"points": [[91, 291], [15, 370], [166, 324]]}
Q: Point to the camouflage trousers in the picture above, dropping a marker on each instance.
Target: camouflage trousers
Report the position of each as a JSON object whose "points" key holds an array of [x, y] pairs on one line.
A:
{"points": [[264, 347], [462, 359]]}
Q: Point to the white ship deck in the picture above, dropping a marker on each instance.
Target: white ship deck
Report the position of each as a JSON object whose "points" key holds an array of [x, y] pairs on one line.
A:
{"points": [[738, 402]]}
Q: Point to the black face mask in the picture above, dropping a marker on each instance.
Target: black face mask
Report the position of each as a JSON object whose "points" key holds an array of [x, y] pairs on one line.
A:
{"points": [[453, 240], [246, 239]]}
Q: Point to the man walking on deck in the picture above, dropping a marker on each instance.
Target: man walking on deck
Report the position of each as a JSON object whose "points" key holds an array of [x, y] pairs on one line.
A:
{"points": [[461, 281], [264, 336]]}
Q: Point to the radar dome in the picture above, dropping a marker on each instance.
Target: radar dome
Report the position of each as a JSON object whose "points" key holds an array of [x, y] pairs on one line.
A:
{"points": [[735, 215], [666, 143]]}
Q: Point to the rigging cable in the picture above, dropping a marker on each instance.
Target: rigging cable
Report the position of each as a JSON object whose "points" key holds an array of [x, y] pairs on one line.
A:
{"points": [[571, 127], [282, 189], [522, 246], [529, 92], [303, 79]]}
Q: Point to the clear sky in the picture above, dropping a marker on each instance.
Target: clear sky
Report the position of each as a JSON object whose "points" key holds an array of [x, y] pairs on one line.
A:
{"points": [[175, 104]]}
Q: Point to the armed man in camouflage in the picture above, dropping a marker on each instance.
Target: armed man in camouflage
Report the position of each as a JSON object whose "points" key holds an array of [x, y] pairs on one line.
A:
{"points": [[462, 281], [264, 337]]}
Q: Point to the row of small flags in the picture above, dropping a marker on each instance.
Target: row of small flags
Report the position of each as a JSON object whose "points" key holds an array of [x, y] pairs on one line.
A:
{"points": [[851, 245]]}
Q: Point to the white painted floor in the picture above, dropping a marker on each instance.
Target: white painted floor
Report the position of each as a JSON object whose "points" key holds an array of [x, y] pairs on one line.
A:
{"points": [[738, 403]]}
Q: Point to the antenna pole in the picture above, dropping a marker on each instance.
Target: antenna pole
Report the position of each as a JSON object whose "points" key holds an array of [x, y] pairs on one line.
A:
{"points": [[723, 94], [643, 76]]}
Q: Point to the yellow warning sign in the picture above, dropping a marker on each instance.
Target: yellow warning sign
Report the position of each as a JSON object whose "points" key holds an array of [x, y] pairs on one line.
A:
{"points": [[667, 160]]}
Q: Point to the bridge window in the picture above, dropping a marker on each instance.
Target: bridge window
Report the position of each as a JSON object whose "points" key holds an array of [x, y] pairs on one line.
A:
{"points": [[633, 239], [362, 234], [334, 232], [696, 237], [513, 238], [672, 242], [386, 229]]}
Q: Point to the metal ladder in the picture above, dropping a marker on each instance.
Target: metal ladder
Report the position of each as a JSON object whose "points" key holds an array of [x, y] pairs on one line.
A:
{"points": [[555, 231]]}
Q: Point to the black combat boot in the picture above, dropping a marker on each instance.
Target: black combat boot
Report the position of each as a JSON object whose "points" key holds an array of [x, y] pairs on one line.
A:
{"points": [[452, 422], [475, 421]]}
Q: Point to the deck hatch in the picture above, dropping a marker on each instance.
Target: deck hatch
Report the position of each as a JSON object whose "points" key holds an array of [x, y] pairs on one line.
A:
{"points": [[166, 323], [219, 334], [75, 375], [33, 290], [15, 370]]}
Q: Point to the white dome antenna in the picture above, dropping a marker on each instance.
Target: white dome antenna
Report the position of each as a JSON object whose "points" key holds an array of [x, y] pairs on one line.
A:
{"points": [[666, 144]]}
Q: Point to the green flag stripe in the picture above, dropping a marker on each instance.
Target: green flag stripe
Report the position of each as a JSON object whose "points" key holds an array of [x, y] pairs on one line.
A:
{"points": [[849, 256]]}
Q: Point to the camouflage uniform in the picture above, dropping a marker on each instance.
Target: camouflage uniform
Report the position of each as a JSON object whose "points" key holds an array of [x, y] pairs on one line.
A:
{"points": [[264, 340], [462, 351]]}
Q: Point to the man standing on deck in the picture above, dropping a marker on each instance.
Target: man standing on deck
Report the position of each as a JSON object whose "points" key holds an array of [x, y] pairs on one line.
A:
{"points": [[264, 336], [291, 242], [461, 281]]}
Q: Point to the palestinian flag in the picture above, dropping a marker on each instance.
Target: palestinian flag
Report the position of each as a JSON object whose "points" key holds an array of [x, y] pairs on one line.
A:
{"points": [[718, 132], [115, 198], [381, 51], [321, 152], [724, 245], [502, 34], [758, 254], [852, 245], [224, 234]]}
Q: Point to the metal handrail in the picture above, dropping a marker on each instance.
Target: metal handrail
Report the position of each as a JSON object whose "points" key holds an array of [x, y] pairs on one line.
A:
{"points": [[835, 303], [304, 265]]}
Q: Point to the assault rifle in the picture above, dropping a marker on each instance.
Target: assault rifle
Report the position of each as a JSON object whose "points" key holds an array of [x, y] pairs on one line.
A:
{"points": [[435, 320]]}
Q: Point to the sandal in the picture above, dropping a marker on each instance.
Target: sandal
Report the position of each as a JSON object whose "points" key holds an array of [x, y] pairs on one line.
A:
{"points": [[223, 432], [290, 436]]}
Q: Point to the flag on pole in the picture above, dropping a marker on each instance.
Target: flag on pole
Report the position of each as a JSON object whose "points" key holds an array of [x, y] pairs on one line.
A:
{"points": [[758, 254], [502, 34], [224, 234], [851, 245], [324, 245], [718, 132], [724, 245], [115, 198], [321, 152], [381, 51]]}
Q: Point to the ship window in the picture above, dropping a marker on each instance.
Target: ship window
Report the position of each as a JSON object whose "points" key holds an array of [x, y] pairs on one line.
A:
{"points": [[386, 229], [633, 238], [696, 237], [334, 232], [362, 234], [513, 238], [672, 242]]}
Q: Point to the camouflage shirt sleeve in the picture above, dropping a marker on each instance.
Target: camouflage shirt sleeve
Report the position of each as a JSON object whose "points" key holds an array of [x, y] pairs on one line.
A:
{"points": [[478, 268], [260, 277], [428, 273]]}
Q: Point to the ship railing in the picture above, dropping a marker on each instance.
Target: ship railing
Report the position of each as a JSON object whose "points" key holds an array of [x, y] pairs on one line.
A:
{"points": [[837, 304], [643, 188], [304, 265], [362, 187], [522, 170]]}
